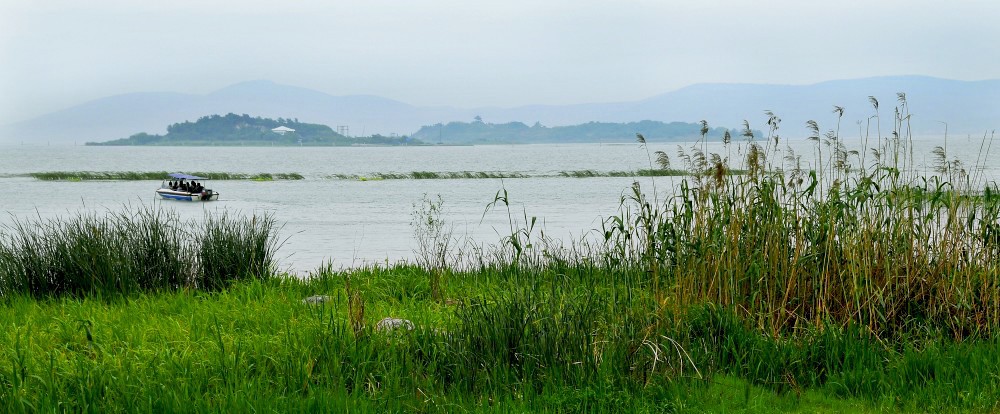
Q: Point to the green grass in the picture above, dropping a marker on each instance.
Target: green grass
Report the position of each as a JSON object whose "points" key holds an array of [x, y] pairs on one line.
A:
{"points": [[522, 337], [520, 340], [133, 250], [857, 285], [154, 175]]}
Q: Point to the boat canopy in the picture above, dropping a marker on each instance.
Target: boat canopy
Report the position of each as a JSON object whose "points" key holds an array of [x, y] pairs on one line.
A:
{"points": [[183, 176]]}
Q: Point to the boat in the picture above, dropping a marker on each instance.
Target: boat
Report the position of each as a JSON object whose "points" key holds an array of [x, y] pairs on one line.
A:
{"points": [[184, 187]]}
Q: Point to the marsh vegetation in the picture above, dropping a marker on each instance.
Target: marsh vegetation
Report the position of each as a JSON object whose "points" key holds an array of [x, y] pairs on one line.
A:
{"points": [[153, 175], [413, 175], [851, 283]]}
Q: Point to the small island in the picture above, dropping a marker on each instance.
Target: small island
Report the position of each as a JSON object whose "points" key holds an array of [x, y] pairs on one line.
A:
{"points": [[236, 130], [480, 132]]}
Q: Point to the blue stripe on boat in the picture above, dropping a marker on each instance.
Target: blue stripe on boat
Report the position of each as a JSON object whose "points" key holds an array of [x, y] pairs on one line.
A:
{"points": [[175, 197]]}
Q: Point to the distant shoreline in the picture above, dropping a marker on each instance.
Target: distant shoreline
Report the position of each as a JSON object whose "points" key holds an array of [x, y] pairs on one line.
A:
{"points": [[244, 130], [249, 144]]}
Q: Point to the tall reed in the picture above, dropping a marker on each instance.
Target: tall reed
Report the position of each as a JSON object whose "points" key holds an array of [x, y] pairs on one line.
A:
{"points": [[133, 250], [231, 249], [877, 246]]}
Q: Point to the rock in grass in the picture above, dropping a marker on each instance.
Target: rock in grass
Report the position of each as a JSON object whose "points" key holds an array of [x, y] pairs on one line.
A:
{"points": [[317, 299], [391, 324]]}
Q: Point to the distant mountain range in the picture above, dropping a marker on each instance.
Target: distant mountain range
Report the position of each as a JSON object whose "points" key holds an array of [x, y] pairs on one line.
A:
{"points": [[968, 107]]}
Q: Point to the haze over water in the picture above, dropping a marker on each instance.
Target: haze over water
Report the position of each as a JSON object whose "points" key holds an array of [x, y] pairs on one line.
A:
{"points": [[351, 222]]}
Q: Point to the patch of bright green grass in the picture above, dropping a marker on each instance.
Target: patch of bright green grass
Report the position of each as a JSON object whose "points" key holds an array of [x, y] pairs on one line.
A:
{"points": [[554, 342]]}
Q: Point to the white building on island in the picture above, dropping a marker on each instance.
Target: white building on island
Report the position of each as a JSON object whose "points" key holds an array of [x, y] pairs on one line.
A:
{"points": [[282, 130]]}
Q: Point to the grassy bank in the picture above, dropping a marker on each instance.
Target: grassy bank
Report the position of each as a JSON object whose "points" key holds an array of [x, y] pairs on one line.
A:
{"points": [[761, 284], [505, 340]]}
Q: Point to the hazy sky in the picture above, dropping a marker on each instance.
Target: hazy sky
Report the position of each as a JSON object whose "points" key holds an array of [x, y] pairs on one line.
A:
{"points": [[55, 54]]}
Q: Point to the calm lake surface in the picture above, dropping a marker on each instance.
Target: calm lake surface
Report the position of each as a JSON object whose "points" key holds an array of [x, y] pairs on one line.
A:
{"points": [[351, 222]]}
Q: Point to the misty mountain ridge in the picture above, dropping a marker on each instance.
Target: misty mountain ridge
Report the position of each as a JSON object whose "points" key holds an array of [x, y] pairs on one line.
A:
{"points": [[968, 107]]}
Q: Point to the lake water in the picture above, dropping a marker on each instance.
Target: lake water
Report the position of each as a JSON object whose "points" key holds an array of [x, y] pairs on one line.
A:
{"points": [[350, 222]]}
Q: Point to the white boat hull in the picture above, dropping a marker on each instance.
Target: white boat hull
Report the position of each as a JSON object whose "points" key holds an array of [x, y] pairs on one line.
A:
{"points": [[179, 195]]}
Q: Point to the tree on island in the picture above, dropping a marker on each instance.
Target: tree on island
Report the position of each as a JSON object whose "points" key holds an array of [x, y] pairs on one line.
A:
{"points": [[232, 129]]}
